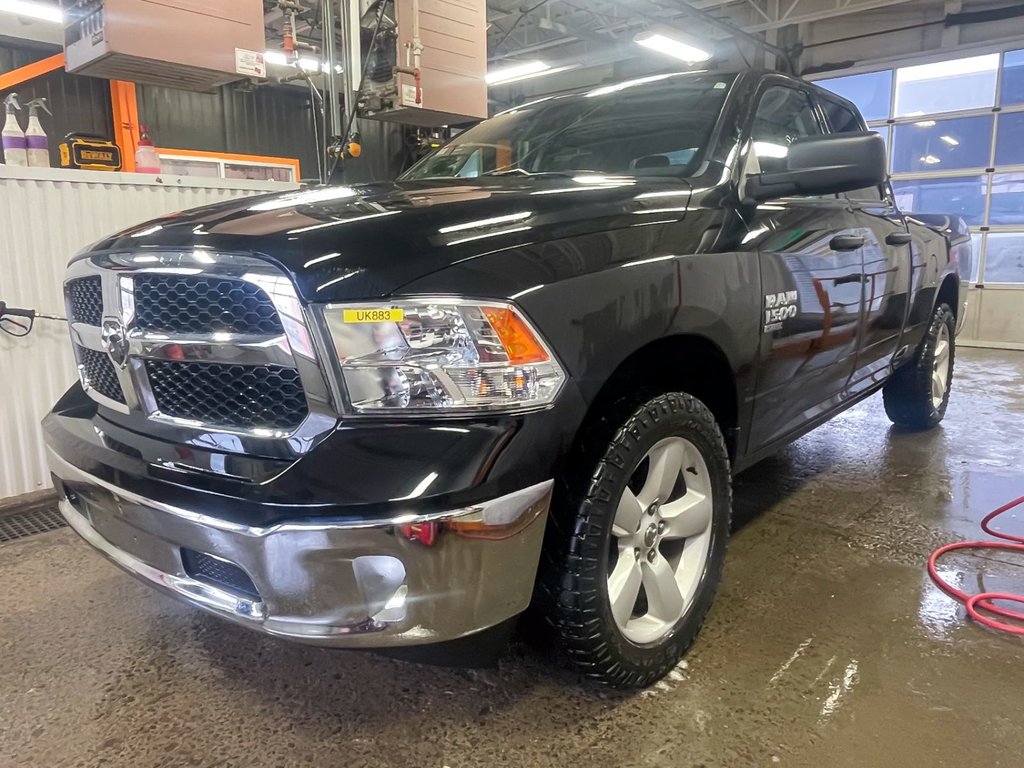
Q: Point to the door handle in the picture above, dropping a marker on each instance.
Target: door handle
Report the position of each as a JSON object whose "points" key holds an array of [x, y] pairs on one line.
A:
{"points": [[846, 242], [899, 238]]}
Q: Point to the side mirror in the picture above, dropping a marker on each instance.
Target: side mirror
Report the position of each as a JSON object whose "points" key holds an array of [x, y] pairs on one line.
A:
{"points": [[824, 165]]}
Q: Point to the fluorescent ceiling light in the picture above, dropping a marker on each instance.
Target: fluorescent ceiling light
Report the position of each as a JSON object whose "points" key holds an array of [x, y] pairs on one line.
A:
{"points": [[930, 159], [519, 71], [925, 124], [31, 10], [950, 140], [670, 45]]}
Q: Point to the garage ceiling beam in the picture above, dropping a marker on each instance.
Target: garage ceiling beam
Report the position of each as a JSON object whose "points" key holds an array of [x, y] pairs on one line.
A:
{"points": [[529, 25], [804, 11]]}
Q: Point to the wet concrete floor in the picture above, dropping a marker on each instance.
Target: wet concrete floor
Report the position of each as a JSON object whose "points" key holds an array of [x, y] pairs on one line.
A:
{"points": [[827, 647]]}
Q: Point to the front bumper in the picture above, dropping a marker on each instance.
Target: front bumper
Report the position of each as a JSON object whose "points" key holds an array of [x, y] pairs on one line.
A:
{"points": [[367, 583]]}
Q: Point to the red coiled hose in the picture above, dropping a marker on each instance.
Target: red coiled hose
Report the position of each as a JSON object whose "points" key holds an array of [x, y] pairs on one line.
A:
{"points": [[983, 602]]}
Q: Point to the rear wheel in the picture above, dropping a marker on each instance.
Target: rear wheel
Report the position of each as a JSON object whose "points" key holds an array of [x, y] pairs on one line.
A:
{"points": [[638, 548], [917, 395]]}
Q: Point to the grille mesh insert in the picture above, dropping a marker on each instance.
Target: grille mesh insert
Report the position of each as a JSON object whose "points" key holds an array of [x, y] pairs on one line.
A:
{"points": [[99, 373], [219, 573], [85, 296], [228, 395], [199, 304]]}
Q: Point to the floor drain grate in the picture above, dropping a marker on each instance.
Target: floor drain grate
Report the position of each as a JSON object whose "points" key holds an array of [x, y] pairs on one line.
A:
{"points": [[29, 523]]}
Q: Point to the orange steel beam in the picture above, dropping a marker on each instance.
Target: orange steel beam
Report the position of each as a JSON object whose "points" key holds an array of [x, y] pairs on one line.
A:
{"points": [[31, 71], [126, 121], [234, 157]]}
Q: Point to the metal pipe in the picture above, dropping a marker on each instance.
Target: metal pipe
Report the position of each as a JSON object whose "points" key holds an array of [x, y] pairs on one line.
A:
{"points": [[417, 50], [333, 117], [349, 40]]}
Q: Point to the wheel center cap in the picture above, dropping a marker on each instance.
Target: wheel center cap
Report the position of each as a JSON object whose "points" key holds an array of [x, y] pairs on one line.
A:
{"points": [[650, 535]]}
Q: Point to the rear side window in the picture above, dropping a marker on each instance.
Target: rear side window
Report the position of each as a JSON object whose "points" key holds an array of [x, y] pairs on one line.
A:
{"points": [[841, 119], [784, 115]]}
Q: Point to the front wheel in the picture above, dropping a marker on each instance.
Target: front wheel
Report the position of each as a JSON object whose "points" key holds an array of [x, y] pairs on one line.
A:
{"points": [[634, 571], [917, 395]]}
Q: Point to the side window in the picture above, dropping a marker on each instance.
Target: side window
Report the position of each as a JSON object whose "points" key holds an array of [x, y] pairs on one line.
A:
{"points": [[783, 116], [841, 119]]}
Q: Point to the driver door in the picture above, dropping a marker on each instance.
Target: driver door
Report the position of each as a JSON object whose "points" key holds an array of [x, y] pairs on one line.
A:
{"points": [[811, 268]]}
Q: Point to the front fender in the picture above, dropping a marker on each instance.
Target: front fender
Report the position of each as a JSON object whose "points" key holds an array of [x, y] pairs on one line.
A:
{"points": [[600, 297]]}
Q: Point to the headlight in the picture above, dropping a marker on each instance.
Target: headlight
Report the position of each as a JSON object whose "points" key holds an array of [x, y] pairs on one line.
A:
{"points": [[441, 355]]}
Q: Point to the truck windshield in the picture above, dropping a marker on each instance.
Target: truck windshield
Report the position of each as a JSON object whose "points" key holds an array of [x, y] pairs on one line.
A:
{"points": [[656, 126]]}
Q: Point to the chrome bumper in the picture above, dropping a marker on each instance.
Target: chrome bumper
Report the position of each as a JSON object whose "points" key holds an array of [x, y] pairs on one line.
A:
{"points": [[359, 584]]}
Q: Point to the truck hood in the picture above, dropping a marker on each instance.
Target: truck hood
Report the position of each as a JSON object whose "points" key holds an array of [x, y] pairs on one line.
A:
{"points": [[367, 241]]}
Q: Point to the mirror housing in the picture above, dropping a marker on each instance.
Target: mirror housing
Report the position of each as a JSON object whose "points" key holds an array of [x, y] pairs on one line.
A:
{"points": [[824, 165]]}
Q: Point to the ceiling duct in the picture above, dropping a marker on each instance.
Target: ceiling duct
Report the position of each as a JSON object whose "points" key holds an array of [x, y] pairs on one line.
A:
{"points": [[428, 65], [195, 45]]}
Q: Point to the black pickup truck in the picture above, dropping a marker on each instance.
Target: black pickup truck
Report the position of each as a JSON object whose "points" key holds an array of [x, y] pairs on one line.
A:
{"points": [[522, 375]]}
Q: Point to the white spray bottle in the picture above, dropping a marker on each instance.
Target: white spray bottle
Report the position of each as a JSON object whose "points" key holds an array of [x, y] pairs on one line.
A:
{"points": [[13, 137], [37, 145]]}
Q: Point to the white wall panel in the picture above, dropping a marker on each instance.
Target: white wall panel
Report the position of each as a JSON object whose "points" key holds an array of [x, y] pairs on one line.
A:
{"points": [[46, 216]]}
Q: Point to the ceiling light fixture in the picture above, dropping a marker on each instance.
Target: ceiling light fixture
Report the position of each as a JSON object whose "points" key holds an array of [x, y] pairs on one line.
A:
{"points": [[930, 159], [519, 71], [670, 44], [30, 10], [950, 140]]}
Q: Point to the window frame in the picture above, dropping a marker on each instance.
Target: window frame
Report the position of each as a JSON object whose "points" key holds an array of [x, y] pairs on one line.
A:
{"points": [[767, 83]]}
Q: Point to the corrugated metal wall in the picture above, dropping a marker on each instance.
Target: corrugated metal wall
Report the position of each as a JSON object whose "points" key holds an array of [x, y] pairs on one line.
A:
{"points": [[42, 224], [266, 121]]}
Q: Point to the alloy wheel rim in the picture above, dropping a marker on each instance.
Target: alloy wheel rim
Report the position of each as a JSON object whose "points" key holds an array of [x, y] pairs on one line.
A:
{"points": [[660, 540], [940, 367]]}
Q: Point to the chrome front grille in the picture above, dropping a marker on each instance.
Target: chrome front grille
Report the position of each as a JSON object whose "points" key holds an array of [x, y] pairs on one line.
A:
{"points": [[199, 304], [85, 300], [98, 373], [251, 397], [197, 340]]}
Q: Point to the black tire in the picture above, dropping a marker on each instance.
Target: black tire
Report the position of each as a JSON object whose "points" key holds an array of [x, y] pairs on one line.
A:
{"points": [[573, 583], [908, 395]]}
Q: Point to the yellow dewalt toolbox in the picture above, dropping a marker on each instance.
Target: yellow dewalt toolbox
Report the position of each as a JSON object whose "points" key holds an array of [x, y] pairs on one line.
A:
{"points": [[89, 152]]}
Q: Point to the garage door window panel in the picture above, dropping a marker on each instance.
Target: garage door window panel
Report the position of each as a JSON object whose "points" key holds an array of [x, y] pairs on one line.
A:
{"points": [[1007, 203], [871, 92], [947, 86], [942, 145], [1004, 257], [1012, 88], [1010, 139], [963, 196], [977, 247]]}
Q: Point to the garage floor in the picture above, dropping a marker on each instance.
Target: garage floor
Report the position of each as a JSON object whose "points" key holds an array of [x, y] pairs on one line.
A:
{"points": [[827, 645]]}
